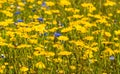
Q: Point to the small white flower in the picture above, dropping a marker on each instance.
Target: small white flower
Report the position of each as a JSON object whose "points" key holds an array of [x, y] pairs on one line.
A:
{"points": [[2, 56], [18, 7], [112, 58]]}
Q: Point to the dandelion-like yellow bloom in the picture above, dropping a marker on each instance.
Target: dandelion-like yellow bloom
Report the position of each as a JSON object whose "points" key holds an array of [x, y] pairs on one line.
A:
{"points": [[40, 65], [109, 3], [50, 3], [72, 67], [64, 38], [65, 53], [24, 69], [89, 38], [64, 2]]}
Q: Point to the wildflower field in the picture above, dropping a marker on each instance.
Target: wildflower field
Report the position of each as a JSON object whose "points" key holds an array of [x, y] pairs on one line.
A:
{"points": [[59, 36]]}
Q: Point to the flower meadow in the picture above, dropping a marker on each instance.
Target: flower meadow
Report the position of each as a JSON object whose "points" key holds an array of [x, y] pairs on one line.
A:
{"points": [[59, 37]]}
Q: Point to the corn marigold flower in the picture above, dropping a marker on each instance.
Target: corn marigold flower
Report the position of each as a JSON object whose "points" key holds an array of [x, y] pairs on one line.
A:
{"points": [[109, 3], [64, 38], [24, 69], [72, 67], [65, 53], [40, 65]]}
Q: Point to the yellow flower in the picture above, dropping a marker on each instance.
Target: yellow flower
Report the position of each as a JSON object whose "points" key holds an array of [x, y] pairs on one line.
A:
{"points": [[104, 73], [89, 38], [1, 70], [69, 9], [81, 29], [108, 51], [40, 28], [11, 67], [54, 22], [79, 43], [64, 38], [107, 43], [76, 11], [88, 54], [94, 44], [66, 29], [40, 65], [55, 11], [36, 53], [38, 49], [48, 54], [61, 72], [107, 34], [89, 6], [117, 44], [50, 3], [117, 51], [48, 12], [64, 2], [110, 14], [35, 16], [39, 2], [0, 5], [31, 1], [109, 3], [53, 29], [77, 16], [118, 11], [116, 39], [7, 13], [65, 53], [117, 32], [50, 38], [3, 67], [32, 71], [23, 46], [58, 60], [93, 60], [24, 69], [6, 63], [72, 67], [21, 4]]}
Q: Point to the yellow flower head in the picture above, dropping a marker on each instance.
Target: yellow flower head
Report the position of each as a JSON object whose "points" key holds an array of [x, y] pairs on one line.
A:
{"points": [[64, 38], [109, 3], [40, 65], [64, 3], [65, 53], [24, 69]]}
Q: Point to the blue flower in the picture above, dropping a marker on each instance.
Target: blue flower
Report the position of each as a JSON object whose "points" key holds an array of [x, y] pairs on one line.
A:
{"points": [[40, 19], [19, 20], [45, 34], [33, 10], [56, 34], [43, 4], [17, 12], [112, 58]]}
